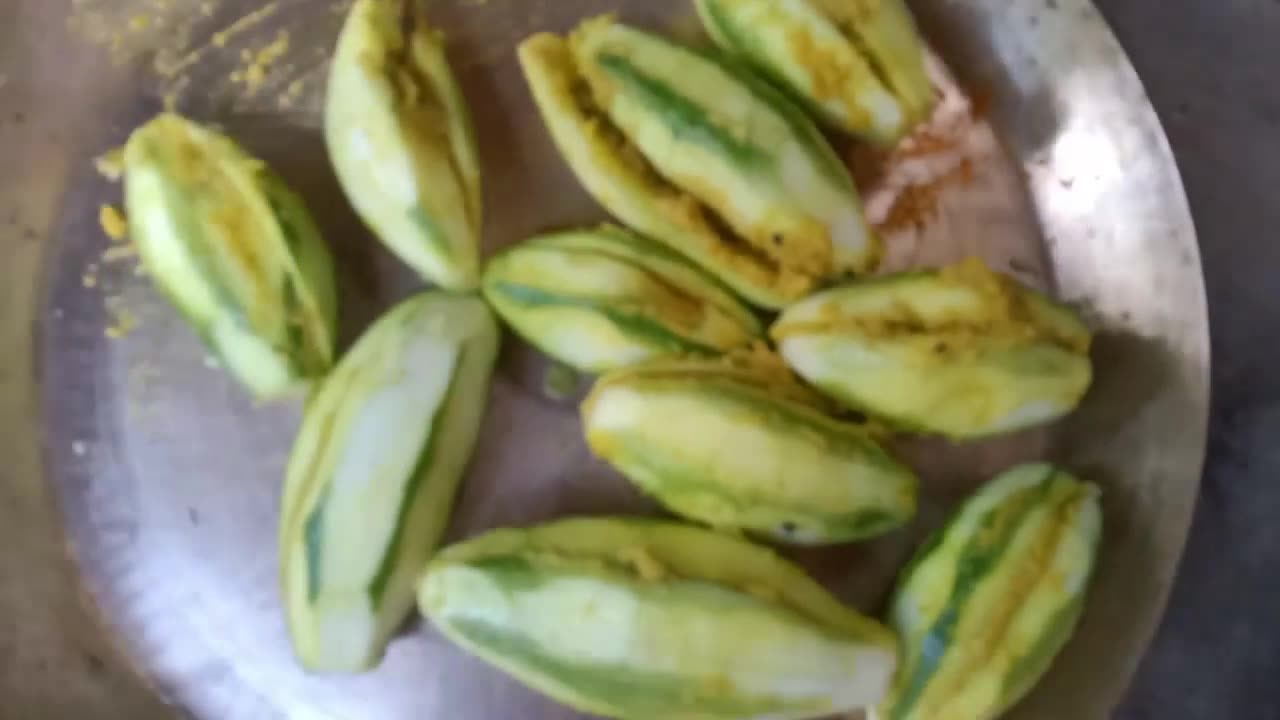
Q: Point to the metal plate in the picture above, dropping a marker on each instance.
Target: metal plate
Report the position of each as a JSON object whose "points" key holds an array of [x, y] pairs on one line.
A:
{"points": [[1052, 165]]}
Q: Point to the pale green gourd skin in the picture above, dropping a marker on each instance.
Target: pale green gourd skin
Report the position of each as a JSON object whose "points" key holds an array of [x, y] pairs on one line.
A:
{"points": [[691, 152], [602, 299], [372, 476], [860, 66], [986, 605], [400, 137], [235, 251], [885, 30], [961, 352], [747, 154], [632, 618], [737, 455]]}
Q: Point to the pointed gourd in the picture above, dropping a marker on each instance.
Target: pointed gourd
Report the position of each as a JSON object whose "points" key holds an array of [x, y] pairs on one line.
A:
{"points": [[633, 618], [400, 138], [373, 473], [860, 66], [962, 352], [603, 298], [990, 600], [692, 151], [722, 446], [236, 252]]}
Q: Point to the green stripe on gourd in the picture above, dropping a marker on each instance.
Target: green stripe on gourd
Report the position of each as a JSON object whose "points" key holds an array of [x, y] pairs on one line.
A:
{"points": [[629, 338], [602, 299], [313, 540], [313, 284], [731, 453], [226, 241], [373, 473], [619, 177], [858, 66], [395, 560], [633, 618], [400, 137], [690, 120], [993, 538], [687, 120], [600, 689], [829, 163], [674, 268], [962, 352], [798, 49], [716, 137], [985, 606]]}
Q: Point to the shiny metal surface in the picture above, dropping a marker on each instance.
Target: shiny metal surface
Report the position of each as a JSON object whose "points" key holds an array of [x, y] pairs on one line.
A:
{"points": [[168, 478]]}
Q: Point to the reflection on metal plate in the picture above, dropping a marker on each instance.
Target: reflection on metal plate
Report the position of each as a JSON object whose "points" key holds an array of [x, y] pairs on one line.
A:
{"points": [[1049, 164]]}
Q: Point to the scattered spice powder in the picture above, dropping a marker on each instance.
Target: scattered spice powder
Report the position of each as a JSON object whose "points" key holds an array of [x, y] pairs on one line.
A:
{"points": [[941, 141], [122, 321], [110, 164], [258, 64], [113, 222], [917, 204]]}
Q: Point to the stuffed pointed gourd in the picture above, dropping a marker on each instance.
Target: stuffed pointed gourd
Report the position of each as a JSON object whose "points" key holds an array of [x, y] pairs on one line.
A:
{"points": [[691, 151], [721, 446], [235, 250], [633, 618], [986, 605], [603, 298], [400, 138], [859, 65], [373, 474], [962, 352]]}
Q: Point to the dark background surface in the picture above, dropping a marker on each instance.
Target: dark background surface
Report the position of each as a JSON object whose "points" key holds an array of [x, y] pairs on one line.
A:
{"points": [[1212, 68]]}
